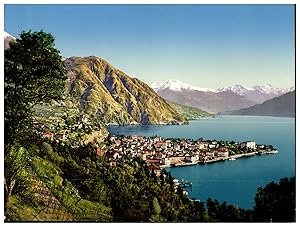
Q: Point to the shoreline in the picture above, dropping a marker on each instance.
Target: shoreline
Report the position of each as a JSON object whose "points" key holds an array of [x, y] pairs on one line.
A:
{"points": [[179, 164], [236, 156], [112, 124]]}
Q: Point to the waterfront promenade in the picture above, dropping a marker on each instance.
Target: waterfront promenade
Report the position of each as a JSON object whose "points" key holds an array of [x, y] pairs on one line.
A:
{"points": [[219, 159]]}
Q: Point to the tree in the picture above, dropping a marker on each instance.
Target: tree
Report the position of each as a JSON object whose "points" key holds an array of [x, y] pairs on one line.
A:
{"points": [[213, 208], [276, 202], [156, 206], [233, 213], [34, 73], [156, 211]]}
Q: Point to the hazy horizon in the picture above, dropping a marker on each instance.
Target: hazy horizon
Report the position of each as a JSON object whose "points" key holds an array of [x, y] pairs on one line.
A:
{"points": [[209, 46]]}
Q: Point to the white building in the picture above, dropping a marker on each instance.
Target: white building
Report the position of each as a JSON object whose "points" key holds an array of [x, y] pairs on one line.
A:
{"points": [[222, 153], [202, 146], [165, 161], [248, 144], [191, 158], [212, 145]]}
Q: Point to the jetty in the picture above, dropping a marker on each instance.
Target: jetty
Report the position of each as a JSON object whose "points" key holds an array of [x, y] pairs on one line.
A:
{"points": [[234, 157]]}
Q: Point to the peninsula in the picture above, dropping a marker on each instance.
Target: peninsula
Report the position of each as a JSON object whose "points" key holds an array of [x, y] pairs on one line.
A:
{"points": [[159, 152]]}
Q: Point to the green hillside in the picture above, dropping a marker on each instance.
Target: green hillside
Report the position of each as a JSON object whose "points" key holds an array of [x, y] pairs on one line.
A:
{"points": [[63, 183], [113, 96], [47, 189], [68, 118], [191, 113]]}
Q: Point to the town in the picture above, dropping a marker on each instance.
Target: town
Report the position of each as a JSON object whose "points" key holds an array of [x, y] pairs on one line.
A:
{"points": [[159, 152]]}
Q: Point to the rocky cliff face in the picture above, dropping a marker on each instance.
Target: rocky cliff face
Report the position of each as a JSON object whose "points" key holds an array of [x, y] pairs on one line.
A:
{"points": [[113, 96]]}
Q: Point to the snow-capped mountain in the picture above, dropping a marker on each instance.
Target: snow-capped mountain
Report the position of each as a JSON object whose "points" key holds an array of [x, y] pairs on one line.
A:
{"points": [[258, 93], [216, 100], [176, 85], [267, 89], [7, 39], [6, 34], [238, 89], [206, 99]]}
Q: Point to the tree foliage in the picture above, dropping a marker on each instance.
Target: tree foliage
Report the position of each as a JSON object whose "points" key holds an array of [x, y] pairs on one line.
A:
{"points": [[128, 192], [276, 202], [34, 73]]}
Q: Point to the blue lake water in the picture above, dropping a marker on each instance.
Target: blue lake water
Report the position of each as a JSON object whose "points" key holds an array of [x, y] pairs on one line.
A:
{"points": [[231, 181]]}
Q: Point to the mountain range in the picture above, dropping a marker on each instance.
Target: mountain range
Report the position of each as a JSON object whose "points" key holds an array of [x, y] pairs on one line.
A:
{"points": [[114, 97], [282, 106], [258, 93], [216, 100]]}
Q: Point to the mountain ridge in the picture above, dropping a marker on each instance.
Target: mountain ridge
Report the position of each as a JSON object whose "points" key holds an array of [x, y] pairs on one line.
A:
{"points": [[282, 106], [208, 101], [114, 96], [266, 90], [216, 100], [191, 113], [176, 85]]}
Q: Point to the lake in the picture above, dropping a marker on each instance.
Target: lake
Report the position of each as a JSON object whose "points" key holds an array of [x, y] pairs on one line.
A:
{"points": [[231, 181]]}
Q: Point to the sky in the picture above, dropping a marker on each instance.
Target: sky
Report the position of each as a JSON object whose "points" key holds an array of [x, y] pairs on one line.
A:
{"points": [[203, 45]]}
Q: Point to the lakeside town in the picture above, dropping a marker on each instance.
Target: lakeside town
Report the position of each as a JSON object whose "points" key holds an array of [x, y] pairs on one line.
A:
{"points": [[159, 152]]}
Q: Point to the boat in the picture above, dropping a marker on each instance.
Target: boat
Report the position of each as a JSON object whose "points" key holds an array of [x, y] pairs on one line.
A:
{"points": [[231, 159]]}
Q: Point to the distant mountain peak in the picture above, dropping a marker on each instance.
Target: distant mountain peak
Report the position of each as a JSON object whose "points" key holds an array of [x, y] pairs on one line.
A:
{"points": [[176, 85], [237, 88], [266, 89], [6, 34], [7, 39], [292, 88], [256, 94]]}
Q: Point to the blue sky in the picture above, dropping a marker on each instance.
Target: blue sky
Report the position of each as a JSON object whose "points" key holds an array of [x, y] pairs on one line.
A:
{"points": [[203, 45]]}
